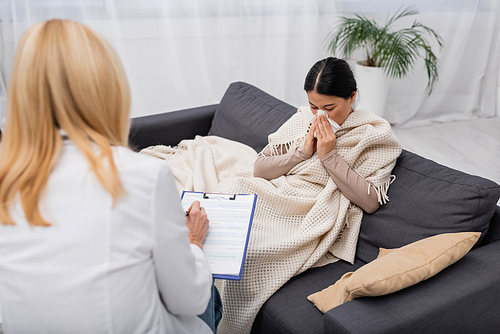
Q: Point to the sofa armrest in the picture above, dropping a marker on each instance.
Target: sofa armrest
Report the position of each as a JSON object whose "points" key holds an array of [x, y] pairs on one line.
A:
{"points": [[463, 298], [493, 233], [170, 128]]}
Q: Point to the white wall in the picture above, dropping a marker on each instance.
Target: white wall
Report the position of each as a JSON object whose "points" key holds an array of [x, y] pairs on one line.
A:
{"points": [[183, 62]]}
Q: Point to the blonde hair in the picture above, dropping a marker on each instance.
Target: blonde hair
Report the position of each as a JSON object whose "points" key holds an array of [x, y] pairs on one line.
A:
{"points": [[65, 76]]}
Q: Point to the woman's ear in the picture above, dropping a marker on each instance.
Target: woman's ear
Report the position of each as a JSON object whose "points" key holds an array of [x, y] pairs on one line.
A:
{"points": [[353, 97]]}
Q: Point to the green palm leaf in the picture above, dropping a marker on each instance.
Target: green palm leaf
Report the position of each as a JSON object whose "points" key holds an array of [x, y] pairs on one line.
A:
{"points": [[395, 51]]}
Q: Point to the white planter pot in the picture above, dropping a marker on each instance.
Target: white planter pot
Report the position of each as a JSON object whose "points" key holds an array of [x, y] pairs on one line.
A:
{"points": [[372, 89]]}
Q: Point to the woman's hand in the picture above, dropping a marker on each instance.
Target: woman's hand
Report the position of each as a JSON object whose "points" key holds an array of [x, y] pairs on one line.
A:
{"points": [[310, 141], [325, 135], [197, 223]]}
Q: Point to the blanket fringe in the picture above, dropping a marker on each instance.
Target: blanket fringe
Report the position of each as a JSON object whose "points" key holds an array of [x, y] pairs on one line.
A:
{"points": [[346, 222], [382, 189], [278, 149], [161, 151]]}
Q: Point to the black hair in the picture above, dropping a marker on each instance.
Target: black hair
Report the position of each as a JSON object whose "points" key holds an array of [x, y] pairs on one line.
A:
{"points": [[331, 76]]}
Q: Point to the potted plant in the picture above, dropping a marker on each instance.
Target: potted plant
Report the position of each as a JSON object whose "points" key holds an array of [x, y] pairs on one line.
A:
{"points": [[389, 53]]}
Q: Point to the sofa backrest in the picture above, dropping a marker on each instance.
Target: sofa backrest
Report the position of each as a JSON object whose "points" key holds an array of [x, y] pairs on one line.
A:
{"points": [[248, 115], [426, 199]]}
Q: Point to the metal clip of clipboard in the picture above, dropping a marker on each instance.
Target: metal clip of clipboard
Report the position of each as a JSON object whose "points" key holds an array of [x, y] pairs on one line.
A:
{"points": [[219, 196]]}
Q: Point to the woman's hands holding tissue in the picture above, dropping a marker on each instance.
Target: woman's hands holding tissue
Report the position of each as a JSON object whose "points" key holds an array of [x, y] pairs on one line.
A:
{"points": [[325, 137], [310, 142]]}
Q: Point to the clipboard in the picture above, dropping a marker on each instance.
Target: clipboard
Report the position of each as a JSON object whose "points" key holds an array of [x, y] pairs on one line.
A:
{"points": [[231, 217]]}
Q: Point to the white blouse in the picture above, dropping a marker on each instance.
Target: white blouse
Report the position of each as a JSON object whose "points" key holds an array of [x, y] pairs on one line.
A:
{"points": [[104, 268]]}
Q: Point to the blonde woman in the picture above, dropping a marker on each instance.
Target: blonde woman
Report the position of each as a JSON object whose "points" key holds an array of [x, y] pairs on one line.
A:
{"points": [[92, 236]]}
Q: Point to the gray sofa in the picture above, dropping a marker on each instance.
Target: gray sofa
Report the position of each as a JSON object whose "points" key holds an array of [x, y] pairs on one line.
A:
{"points": [[426, 199]]}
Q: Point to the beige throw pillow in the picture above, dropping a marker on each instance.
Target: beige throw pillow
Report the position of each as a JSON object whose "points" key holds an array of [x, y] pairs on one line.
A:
{"points": [[396, 269]]}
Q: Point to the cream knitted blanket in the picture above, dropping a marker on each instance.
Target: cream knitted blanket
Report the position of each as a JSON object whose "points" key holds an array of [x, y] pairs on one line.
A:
{"points": [[301, 218]]}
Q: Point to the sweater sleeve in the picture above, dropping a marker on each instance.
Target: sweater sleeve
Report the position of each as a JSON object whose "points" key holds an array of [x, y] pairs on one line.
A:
{"points": [[270, 167], [352, 185]]}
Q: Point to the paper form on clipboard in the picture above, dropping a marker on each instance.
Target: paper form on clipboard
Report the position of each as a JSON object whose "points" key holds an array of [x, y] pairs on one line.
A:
{"points": [[231, 217]]}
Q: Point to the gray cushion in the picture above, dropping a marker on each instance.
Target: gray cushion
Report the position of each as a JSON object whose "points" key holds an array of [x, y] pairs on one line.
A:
{"points": [[427, 199], [248, 115]]}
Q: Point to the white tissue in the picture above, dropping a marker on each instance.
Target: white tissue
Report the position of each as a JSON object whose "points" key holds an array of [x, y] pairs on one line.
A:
{"points": [[333, 124]]}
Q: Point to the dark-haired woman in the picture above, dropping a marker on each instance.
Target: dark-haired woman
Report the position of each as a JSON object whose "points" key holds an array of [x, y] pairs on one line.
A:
{"points": [[310, 190], [330, 87]]}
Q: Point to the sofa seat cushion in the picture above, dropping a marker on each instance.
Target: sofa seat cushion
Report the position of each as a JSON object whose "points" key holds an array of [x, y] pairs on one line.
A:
{"points": [[249, 115], [289, 311], [427, 199], [463, 298]]}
